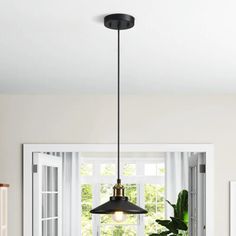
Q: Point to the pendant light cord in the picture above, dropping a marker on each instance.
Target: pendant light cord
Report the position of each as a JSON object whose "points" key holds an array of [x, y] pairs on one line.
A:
{"points": [[118, 109]]}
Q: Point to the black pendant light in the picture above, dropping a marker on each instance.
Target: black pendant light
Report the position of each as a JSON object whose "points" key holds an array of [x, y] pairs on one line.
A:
{"points": [[118, 205]]}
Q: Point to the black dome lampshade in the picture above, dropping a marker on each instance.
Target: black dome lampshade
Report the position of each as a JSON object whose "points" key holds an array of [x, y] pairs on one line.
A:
{"points": [[118, 205]]}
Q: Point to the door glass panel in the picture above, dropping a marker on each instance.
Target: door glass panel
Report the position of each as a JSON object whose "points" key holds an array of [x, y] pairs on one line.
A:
{"points": [[44, 178], [49, 205], [44, 205], [55, 227], [50, 227], [49, 179], [54, 179], [44, 228]]}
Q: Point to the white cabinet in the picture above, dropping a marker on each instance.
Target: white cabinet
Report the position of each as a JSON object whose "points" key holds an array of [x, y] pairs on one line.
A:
{"points": [[3, 209]]}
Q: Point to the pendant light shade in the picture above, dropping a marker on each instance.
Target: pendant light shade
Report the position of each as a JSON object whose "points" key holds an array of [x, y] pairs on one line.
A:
{"points": [[119, 204]]}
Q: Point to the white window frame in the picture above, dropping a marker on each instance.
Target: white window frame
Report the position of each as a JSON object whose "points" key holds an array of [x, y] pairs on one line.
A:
{"points": [[29, 149], [139, 179]]}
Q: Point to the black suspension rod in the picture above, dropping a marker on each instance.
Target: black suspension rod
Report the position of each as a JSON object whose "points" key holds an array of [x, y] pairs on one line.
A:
{"points": [[118, 108]]}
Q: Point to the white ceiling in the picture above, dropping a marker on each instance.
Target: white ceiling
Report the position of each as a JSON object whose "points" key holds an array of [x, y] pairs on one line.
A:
{"points": [[61, 46]]}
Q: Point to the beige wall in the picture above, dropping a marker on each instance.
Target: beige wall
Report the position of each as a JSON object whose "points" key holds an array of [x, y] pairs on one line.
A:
{"points": [[91, 119]]}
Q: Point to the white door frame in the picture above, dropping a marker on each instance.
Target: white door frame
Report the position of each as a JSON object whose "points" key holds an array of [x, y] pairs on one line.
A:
{"points": [[29, 149]]}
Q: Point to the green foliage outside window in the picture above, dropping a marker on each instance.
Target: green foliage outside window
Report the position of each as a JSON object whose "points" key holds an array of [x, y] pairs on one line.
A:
{"points": [[86, 198], [155, 205]]}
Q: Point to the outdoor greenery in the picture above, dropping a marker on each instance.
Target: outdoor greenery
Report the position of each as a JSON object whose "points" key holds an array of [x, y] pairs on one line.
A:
{"points": [[153, 196], [177, 225]]}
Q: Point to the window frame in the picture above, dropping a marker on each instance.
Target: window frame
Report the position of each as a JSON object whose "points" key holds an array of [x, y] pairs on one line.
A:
{"points": [[29, 149]]}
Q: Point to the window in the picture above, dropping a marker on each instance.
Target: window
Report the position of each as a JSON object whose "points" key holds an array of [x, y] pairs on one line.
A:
{"points": [[144, 180]]}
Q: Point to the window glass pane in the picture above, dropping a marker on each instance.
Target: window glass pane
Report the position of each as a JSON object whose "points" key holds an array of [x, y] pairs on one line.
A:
{"points": [[86, 193], [130, 231], [150, 169], [161, 169], [155, 205], [150, 193], [87, 228], [107, 219], [131, 219], [131, 192], [118, 231], [129, 169], [106, 191], [107, 169], [86, 169], [86, 215], [86, 198], [86, 219], [150, 225], [106, 231]]}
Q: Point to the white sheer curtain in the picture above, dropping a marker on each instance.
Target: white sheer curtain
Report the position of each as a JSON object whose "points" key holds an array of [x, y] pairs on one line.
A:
{"points": [[71, 212], [176, 177], [71, 195]]}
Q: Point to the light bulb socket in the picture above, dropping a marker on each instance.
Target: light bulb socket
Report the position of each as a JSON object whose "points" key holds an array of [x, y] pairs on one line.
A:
{"points": [[118, 189]]}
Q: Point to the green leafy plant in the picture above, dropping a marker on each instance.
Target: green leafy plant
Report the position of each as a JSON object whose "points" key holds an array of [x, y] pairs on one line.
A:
{"points": [[177, 225]]}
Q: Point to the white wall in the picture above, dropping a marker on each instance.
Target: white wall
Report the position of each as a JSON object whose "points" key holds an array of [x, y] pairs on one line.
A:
{"points": [[91, 119]]}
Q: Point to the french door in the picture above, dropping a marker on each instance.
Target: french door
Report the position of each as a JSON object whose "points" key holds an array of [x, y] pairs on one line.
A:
{"points": [[47, 195]]}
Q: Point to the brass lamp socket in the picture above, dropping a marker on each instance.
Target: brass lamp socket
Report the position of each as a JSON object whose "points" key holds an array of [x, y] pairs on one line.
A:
{"points": [[118, 190]]}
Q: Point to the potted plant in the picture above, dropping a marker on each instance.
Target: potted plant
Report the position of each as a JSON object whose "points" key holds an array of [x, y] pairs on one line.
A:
{"points": [[178, 224]]}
